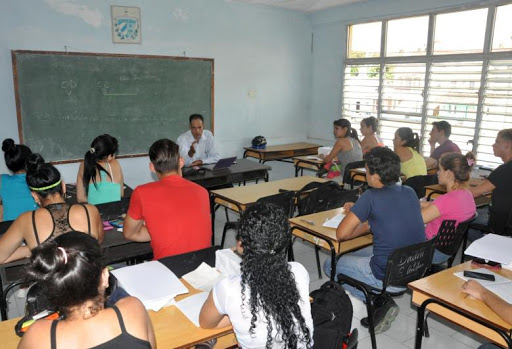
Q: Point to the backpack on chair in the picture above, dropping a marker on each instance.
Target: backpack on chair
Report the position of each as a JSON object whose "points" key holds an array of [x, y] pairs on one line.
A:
{"points": [[332, 318]]}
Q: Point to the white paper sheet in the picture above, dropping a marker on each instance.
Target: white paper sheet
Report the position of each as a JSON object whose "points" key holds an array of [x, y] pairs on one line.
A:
{"points": [[191, 306], [227, 262], [312, 157], [334, 221], [153, 283], [203, 278], [492, 247]]}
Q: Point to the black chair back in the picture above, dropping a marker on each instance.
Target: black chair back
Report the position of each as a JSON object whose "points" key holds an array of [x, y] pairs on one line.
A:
{"points": [[325, 197], [418, 183], [449, 238], [347, 179], [408, 263], [285, 200]]}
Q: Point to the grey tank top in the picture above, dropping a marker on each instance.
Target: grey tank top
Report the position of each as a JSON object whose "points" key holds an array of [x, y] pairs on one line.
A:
{"points": [[352, 155]]}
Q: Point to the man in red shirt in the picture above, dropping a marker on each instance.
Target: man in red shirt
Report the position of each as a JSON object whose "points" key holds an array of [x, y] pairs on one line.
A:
{"points": [[173, 213]]}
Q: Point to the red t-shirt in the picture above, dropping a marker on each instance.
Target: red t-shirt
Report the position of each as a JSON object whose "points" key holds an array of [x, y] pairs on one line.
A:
{"points": [[176, 213]]}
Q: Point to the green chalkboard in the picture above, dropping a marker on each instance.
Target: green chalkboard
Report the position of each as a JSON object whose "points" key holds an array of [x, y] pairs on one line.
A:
{"points": [[64, 100]]}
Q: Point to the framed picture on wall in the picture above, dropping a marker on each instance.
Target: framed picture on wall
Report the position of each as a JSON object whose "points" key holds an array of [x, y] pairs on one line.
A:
{"points": [[126, 28]]}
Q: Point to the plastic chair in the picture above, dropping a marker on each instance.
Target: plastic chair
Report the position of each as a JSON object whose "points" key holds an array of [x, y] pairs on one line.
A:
{"points": [[326, 196], [418, 183], [404, 265], [285, 200], [347, 178]]}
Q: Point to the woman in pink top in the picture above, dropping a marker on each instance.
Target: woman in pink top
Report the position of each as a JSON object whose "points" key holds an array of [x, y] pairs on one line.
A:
{"points": [[457, 204]]}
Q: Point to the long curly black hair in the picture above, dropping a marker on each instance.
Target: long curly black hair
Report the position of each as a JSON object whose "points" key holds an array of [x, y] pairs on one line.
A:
{"points": [[265, 236]]}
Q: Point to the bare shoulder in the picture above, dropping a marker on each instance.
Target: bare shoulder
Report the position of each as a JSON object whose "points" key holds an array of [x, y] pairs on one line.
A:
{"points": [[135, 317], [131, 306], [37, 335]]}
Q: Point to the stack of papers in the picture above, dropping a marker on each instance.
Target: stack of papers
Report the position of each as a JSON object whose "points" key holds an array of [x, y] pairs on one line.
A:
{"points": [[324, 150], [203, 278], [501, 286], [152, 283], [334, 221], [492, 247]]}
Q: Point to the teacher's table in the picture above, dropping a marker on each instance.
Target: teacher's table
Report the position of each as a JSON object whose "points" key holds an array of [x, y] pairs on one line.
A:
{"points": [[309, 162], [244, 170], [310, 228], [238, 198], [282, 152], [435, 190], [441, 294]]}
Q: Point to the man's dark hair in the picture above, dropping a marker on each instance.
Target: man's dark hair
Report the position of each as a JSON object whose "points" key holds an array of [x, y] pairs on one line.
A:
{"points": [[165, 156], [443, 126], [384, 162], [195, 117]]}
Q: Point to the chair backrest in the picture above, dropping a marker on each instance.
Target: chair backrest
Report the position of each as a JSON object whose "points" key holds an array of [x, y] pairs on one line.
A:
{"points": [[450, 235], [325, 197], [418, 183], [286, 200], [408, 263], [347, 179]]}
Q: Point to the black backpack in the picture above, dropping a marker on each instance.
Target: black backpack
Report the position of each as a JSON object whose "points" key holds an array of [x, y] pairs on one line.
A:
{"points": [[332, 317]]}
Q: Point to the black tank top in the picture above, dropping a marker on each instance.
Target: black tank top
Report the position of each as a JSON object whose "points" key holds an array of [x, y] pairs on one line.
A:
{"points": [[60, 218], [124, 340]]}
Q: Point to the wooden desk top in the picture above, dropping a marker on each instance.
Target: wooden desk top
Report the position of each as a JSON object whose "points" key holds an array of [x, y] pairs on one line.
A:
{"points": [[446, 287], [172, 328], [307, 159], [285, 147], [318, 219], [249, 194]]}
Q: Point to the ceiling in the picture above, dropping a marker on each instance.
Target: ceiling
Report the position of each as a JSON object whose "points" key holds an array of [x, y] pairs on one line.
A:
{"points": [[301, 5]]}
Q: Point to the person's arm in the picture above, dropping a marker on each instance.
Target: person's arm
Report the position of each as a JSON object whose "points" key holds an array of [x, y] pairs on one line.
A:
{"points": [[431, 162], [497, 304], [212, 156], [135, 230], [119, 178], [80, 190], [429, 212], [209, 317], [350, 228], [96, 222], [184, 146], [483, 188], [11, 241], [338, 146]]}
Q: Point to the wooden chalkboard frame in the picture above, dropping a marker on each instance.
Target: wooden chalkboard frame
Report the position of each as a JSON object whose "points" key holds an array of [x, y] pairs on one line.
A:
{"points": [[14, 54]]}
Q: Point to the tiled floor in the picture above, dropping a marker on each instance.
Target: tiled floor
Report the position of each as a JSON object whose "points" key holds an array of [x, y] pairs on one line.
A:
{"points": [[402, 332]]}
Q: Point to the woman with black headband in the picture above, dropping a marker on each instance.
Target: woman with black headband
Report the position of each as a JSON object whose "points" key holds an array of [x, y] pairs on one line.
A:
{"points": [[54, 217]]}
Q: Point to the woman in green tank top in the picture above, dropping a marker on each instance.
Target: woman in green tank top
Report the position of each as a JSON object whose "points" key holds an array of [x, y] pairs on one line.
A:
{"points": [[406, 145], [100, 177]]}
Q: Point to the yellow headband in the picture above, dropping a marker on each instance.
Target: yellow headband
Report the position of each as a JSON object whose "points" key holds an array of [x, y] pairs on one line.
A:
{"points": [[47, 187]]}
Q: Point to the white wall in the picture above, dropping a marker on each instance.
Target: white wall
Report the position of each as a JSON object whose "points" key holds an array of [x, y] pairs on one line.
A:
{"points": [[254, 47]]}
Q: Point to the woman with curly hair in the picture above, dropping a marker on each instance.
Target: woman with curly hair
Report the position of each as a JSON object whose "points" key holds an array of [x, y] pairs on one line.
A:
{"points": [[72, 276], [268, 305]]}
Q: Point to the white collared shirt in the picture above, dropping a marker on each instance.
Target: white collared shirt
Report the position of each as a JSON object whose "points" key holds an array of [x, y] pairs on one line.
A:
{"points": [[205, 148]]}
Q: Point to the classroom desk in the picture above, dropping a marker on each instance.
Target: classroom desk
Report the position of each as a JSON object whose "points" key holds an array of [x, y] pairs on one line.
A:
{"points": [[441, 294], [238, 198], [435, 190], [281, 152], [358, 174], [310, 228], [307, 163], [244, 170]]}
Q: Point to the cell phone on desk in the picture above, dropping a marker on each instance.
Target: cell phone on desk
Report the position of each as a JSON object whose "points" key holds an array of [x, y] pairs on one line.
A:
{"points": [[118, 223], [480, 276]]}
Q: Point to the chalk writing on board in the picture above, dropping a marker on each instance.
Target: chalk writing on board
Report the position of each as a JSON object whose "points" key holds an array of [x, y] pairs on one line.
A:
{"points": [[135, 77], [104, 86], [68, 86]]}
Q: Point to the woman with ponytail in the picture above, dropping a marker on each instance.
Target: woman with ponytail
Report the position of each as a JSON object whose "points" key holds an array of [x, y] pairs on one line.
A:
{"points": [[70, 271], [347, 148], [15, 196], [54, 217], [100, 177], [268, 305], [457, 204], [407, 146]]}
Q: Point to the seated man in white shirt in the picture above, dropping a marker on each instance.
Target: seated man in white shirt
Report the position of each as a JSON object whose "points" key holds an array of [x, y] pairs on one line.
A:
{"points": [[197, 145]]}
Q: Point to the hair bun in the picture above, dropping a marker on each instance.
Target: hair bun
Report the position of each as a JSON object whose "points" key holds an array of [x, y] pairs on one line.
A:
{"points": [[34, 162], [8, 145]]}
